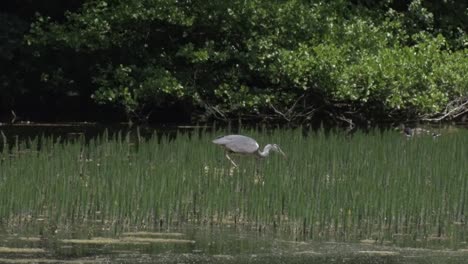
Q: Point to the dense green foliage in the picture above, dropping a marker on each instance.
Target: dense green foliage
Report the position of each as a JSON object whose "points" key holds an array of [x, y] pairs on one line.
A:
{"points": [[291, 60], [378, 186]]}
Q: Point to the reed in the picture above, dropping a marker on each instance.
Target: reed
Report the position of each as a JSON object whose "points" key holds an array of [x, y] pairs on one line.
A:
{"points": [[376, 185]]}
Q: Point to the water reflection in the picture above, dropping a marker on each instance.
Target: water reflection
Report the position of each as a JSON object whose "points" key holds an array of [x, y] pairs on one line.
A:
{"points": [[201, 244]]}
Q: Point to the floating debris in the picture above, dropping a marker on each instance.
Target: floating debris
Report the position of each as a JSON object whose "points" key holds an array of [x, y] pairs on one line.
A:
{"points": [[22, 250], [144, 233], [380, 253], [126, 240]]}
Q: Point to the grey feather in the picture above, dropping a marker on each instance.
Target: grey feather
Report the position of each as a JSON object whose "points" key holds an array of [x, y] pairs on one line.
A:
{"points": [[238, 144]]}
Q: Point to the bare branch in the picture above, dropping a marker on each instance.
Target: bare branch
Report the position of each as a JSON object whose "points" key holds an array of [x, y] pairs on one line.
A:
{"points": [[294, 104], [290, 114], [280, 113], [215, 112], [453, 110]]}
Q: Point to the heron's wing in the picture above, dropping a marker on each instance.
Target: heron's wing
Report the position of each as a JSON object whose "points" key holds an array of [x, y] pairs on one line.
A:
{"points": [[238, 143]]}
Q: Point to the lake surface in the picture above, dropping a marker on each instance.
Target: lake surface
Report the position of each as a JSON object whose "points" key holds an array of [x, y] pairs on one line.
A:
{"points": [[202, 244], [66, 236]]}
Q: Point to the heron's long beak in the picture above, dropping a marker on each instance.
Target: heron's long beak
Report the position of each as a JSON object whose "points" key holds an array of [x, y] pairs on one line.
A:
{"points": [[282, 153]]}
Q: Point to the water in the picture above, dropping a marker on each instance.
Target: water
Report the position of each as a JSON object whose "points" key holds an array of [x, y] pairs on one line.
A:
{"points": [[199, 244]]}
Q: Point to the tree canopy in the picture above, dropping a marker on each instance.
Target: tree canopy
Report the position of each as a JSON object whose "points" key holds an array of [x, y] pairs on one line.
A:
{"points": [[285, 60]]}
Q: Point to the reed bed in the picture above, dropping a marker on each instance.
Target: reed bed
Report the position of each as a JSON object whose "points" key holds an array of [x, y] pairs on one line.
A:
{"points": [[376, 185]]}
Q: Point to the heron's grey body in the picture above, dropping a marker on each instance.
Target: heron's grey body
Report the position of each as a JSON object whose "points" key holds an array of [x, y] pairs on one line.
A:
{"points": [[240, 144]]}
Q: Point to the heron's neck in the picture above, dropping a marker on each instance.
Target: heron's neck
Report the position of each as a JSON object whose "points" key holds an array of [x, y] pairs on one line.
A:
{"points": [[265, 152]]}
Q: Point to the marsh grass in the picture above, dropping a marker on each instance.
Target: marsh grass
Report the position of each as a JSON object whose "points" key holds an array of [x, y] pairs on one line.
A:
{"points": [[376, 185]]}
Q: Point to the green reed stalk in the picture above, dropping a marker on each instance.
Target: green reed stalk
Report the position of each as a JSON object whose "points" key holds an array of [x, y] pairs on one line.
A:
{"points": [[376, 185]]}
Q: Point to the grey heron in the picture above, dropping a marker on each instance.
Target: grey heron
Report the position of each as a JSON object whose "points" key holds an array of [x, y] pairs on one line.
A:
{"points": [[240, 144]]}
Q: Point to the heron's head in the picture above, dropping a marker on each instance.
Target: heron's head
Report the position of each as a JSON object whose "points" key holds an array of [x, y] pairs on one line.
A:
{"points": [[277, 149]]}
